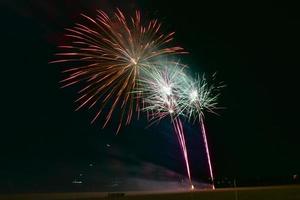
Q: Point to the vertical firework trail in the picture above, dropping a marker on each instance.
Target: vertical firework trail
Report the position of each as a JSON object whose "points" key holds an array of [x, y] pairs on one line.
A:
{"points": [[207, 151], [181, 140]]}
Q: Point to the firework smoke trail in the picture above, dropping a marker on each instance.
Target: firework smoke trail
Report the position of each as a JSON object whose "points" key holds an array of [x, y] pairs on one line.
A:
{"points": [[159, 88], [105, 55]]}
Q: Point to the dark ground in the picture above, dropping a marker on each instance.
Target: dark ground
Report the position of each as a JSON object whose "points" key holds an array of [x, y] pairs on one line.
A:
{"points": [[291, 192]]}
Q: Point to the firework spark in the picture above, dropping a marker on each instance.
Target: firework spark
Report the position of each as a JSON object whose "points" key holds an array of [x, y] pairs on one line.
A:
{"points": [[106, 55]]}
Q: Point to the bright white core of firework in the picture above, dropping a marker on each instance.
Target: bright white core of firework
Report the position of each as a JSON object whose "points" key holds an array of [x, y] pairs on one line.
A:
{"points": [[167, 90], [193, 95]]}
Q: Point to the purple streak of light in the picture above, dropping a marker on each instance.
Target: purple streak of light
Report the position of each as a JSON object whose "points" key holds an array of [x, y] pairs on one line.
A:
{"points": [[180, 136], [207, 150]]}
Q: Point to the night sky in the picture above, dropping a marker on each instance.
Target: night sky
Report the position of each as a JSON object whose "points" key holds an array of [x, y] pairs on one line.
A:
{"points": [[253, 47]]}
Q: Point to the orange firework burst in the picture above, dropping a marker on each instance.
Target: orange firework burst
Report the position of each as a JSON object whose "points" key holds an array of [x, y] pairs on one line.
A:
{"points": [[106, 55]]}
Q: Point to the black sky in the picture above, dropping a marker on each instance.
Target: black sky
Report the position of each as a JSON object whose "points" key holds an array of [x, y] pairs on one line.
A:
{"points": [[253, 47]]}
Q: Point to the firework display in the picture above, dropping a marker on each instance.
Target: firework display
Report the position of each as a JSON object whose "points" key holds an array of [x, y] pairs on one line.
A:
{"points": [[198, 96], [169, 91], [160, 87], [122, 64], [106, 55]]}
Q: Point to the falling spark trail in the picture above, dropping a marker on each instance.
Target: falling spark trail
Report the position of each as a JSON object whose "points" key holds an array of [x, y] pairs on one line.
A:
{"points": [[207, 151], [180, 136]]}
